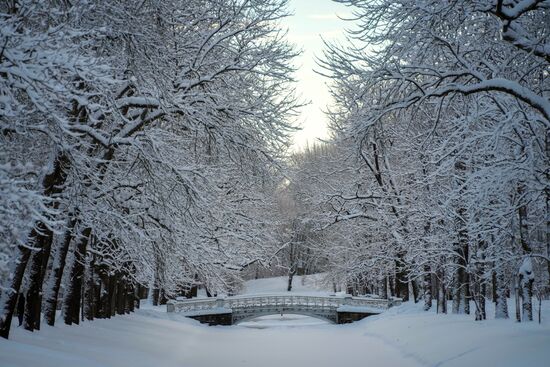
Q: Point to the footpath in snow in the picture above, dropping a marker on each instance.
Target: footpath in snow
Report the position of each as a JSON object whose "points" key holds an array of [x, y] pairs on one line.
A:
{"points": [[403, 336]]}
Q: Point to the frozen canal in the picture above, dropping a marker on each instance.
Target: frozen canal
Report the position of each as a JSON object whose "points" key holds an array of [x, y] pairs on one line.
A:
{"points": [[150, 339], [403, 336]]}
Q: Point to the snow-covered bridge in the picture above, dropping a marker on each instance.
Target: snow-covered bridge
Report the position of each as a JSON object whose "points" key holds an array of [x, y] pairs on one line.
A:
{"points": [[232, 310]]}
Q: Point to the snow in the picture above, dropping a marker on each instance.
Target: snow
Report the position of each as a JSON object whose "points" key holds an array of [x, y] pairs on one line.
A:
{"points": [[149, 338], [457, 340], [402, 336], [304, 285]]}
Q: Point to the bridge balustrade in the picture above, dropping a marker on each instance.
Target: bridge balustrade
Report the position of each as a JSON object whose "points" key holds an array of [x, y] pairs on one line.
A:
{"points": [[274, 301]]}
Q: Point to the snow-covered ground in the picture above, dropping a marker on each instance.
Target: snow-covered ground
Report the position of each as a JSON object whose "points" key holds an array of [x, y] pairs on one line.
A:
{"points": [[403, 336], [310, 284]]}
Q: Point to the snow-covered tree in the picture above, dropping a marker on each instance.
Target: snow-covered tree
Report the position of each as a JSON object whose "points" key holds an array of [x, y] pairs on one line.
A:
{"points": [[159, 123]]}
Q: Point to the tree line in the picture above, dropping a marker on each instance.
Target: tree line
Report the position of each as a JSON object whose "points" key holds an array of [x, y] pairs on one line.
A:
{"points": [[435, 184]]}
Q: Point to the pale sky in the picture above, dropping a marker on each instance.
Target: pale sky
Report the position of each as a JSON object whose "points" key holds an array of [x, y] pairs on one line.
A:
{"points": [[312, 20]]}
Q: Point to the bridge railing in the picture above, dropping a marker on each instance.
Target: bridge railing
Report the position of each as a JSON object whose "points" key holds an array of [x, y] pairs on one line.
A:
{"points": [[255, 301]]}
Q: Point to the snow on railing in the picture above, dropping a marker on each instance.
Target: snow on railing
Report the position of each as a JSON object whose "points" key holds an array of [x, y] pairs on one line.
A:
{"points": [[257, 301]]}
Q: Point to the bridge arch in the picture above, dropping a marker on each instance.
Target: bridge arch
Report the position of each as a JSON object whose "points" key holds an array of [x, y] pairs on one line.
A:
{"points": [[237, 321]]}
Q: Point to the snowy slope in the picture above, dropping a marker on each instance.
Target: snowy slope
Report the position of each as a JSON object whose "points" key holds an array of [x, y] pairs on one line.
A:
{"points": [[308, 284], [403, 336], [457, 340]]}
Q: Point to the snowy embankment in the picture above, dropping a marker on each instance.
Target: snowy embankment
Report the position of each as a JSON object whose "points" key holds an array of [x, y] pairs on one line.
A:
{"points": [[403, 336]]}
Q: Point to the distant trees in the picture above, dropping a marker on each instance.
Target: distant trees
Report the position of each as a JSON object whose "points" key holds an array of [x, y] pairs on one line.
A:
{"points": [[441, 123], [137, 140]]}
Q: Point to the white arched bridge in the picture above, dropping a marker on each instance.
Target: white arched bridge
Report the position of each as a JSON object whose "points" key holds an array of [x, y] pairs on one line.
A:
{"points": [[232, 310]]}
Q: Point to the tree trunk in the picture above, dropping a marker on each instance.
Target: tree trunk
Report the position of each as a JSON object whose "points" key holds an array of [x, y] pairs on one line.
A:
{"points": [[74, 292], [427, 288], [526, 276], [105, 296], [467, 295], [413, 289], [517, 299], [162, 297], [525, 280], [96, 301], [478, 283], [494, 285], [37, 270], [479, 299], [89, 292], [54, 283], [501, 305], [130, 297], [120, 296], [482, 308], [158, 278], [460, 288], [383, 293], [137, 298], [461, 293], [291, 273], [155, 296], [480, 302], [401, 279], [457, 292], [9, 296], [112, 294], [441, 293]]}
